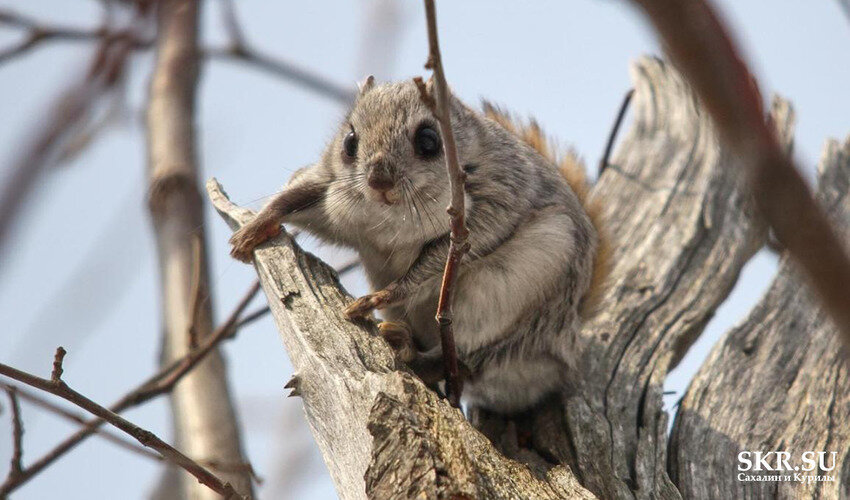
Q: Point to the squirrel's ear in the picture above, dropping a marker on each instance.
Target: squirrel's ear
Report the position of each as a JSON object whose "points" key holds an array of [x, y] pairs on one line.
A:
{"points": [[367, 84], [429, 84]]}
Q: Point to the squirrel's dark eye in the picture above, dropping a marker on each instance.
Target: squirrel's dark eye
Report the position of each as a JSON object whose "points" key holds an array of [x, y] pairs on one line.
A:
{"points": [[349, 145], [426, 142]]}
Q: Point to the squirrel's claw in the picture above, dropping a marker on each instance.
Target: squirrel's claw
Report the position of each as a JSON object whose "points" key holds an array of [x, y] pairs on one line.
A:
{"points": [[364, 306], [246, 239]]}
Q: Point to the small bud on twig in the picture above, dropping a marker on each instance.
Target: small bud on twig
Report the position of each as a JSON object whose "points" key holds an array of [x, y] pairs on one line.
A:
{"points": [[56, 375]]}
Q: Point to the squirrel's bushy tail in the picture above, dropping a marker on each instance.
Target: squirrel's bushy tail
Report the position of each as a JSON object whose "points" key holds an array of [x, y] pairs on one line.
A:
{"points": [[575, 173]]}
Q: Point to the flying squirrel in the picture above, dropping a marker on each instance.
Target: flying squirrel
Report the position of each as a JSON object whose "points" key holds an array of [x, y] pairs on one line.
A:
{"points": [[537, 259]]}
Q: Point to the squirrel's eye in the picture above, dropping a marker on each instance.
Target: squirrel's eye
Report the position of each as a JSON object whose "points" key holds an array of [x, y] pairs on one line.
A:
{"points": [[349, 145], [426, 142]]}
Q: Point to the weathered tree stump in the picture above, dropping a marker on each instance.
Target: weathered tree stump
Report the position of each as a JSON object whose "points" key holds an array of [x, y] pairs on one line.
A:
{"points": [[777, 382]]}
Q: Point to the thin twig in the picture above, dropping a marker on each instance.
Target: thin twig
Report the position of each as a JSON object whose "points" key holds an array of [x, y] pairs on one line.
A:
{"points": [[195, 293], [700, 46], [38, 32], [232, 24], [43, 403], [143, 436], [440, 106], [58, 358], [284, 69], [16, 468], [72, 106], [603, 162], [239, 49], [254, 316], [158, 384]]}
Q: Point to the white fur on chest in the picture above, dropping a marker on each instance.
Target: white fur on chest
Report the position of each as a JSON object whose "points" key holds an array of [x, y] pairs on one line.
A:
{"points": [[385, 266], [517, 278]]}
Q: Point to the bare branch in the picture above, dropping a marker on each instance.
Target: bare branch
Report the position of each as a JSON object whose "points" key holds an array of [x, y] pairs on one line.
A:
{"points": [[237, 50], [160, 383], [240, 50], [195, 293], [72, 106], [35, 399], [143, 436], [56, 374], [18, 49], [17, 435], [202, 410], [441, 106], [232, 24], [699, 44], [289, 71], [38, 32], [603, 162]]}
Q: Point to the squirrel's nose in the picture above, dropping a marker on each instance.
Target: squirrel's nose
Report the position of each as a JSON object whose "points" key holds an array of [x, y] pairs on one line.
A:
{"points": [[380, 178]]}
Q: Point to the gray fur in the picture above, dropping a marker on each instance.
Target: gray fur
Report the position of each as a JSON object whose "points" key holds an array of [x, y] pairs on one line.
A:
{"points": [[532, 244]]}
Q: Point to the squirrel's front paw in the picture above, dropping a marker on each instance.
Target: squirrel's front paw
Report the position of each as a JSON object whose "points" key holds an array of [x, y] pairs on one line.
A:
{"points": [[246, 239], [399, 337], [364, 306]]}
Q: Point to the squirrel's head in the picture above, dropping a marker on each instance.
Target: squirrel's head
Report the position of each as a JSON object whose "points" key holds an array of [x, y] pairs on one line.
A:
{"points": [[388, 166]]}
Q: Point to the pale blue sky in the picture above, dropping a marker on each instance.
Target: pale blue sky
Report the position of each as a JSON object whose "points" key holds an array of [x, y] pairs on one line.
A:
{"points": [[566, 63]]}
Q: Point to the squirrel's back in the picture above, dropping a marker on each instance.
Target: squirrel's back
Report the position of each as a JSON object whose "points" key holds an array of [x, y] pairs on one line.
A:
{"points": [[573, 170]]}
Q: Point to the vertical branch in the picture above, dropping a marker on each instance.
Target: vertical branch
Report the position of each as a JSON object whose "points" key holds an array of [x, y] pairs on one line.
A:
{"points": [[441, 106], [603, 162], [58, 358], [195, 292], [16, 468], [202, 410]]}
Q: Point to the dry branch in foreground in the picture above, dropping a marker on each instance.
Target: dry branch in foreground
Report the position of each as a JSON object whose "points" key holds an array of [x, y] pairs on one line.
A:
{"points": [[440, 104], [41, 402]]}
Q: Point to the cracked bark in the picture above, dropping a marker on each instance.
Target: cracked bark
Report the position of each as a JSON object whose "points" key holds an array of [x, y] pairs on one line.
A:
{"points": [[682, 224], [777, 382]]}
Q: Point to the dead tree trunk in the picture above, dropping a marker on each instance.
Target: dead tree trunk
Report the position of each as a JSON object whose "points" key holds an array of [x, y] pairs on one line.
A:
{"points": [[203, 415], [777, 382], [683, 226]]}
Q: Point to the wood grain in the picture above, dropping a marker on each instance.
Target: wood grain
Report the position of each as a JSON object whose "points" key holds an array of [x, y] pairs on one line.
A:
{"points": [[777, 382]]}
